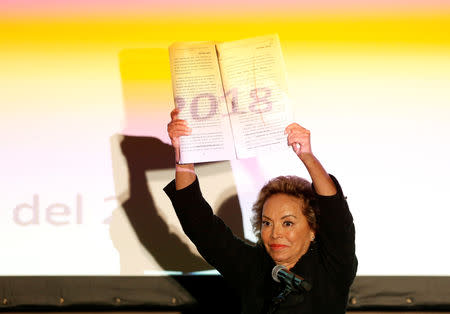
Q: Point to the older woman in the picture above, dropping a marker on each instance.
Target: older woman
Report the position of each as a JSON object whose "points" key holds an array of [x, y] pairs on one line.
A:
{"points": [[306, 228]]}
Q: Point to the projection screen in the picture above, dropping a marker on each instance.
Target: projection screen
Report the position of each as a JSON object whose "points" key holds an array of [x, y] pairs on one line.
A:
{"points": [[86, 96]]}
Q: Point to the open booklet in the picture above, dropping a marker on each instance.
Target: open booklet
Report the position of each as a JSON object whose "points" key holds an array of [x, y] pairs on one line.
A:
{"points": [[233, 95]]}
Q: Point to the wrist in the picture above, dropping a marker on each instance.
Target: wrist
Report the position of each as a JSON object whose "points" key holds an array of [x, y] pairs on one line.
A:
{"points": [[189, 166], [185, 168], [307, 157], [184, 175]]}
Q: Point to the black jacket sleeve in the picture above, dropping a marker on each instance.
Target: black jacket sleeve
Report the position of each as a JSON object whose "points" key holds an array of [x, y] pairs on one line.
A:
{"points": [[213, 239], [337, 234]]}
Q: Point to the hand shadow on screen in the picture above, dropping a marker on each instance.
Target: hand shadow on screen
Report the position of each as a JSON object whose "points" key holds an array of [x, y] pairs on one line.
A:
{"points": [[143, 154]]}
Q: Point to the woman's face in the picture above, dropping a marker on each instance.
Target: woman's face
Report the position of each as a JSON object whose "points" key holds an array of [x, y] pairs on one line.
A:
{"points": [[285, 231]]}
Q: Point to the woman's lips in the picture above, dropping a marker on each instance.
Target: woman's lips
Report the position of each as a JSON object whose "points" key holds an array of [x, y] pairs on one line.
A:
{"points": [[277, 246]]}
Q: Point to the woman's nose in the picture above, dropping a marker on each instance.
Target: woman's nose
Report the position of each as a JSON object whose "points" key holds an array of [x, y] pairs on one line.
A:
{"points": [[276, 232]]}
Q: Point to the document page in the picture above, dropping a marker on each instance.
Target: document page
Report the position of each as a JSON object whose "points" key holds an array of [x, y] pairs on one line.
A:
{"points": [[199, 95], [255, 86]]}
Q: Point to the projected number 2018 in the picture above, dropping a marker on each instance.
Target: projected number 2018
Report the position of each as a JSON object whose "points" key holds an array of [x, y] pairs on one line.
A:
{"points": [[260, 103]]}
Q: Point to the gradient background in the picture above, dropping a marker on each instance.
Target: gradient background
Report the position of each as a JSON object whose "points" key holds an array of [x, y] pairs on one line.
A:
{"points": [[370, 79]]}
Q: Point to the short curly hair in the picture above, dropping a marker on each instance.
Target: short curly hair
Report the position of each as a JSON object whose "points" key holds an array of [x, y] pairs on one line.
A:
{"points": [[290, 185]]}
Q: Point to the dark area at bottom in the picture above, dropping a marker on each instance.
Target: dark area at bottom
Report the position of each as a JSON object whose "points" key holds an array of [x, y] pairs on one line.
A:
{"points": [[190, 294]]}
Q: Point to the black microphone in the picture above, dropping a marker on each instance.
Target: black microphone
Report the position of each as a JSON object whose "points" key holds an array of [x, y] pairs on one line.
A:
{"points": [[281, 273]]}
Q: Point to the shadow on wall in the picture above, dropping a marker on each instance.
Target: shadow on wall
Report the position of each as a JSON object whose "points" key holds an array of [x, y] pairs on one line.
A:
{"points": [[144, 228], [168, 249]]}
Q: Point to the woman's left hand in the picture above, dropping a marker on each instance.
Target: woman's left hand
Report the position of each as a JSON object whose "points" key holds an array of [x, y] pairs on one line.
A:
{"points": [[299, 138]]}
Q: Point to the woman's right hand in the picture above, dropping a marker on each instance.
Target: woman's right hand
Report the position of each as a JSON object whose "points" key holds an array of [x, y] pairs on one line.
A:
{"points": [[175, 129], [184, 174]]}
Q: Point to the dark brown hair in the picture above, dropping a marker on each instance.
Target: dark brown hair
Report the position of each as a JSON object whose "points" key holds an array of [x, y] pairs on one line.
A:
{"points": [[290, 185]]}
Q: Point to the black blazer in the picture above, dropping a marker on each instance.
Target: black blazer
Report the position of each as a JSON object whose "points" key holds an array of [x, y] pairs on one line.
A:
{"points": [[329, 265]]}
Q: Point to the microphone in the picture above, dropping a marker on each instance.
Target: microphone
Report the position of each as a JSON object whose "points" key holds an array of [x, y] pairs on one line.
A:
{"points": [[281, 273]]}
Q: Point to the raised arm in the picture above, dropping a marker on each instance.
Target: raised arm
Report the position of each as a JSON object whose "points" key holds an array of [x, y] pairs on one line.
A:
{"points": [[184, 174], [300, 140], [213, 239]]}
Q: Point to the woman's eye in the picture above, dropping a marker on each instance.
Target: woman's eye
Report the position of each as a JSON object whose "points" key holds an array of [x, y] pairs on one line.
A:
{"points": [[265, 223], [288, 223]]}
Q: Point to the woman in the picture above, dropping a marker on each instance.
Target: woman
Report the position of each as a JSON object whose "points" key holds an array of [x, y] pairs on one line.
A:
{"points": [[306, 228]]}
